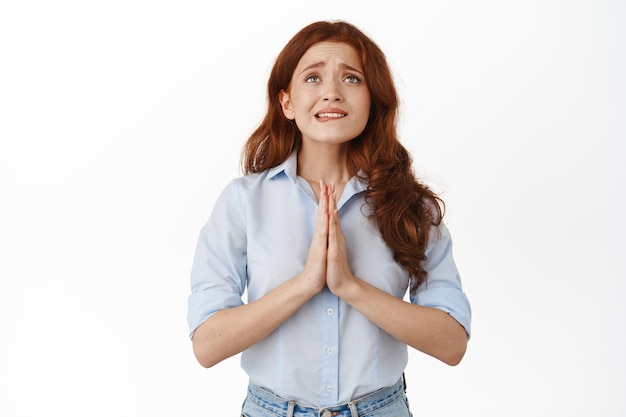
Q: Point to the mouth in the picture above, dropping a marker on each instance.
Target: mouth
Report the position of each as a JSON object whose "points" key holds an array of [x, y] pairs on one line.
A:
{"points": [[331, 114]]}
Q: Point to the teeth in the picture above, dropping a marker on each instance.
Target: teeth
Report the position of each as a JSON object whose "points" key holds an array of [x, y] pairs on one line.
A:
{"points": [[335, 115]]}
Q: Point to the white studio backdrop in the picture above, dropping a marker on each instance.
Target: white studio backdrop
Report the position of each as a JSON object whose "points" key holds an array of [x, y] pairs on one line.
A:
{"points": [[121, 121]]}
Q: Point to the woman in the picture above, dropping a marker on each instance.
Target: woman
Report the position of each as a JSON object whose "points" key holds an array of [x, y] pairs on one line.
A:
{"points": [[328, 229]]}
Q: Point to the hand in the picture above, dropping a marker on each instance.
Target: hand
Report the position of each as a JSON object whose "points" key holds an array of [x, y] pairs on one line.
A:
{"points": [[314, 273], [338, 274]]}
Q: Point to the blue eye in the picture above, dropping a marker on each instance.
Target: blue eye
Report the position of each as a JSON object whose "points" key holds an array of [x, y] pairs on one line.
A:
{"points": [[312, 79], [352, 79]]}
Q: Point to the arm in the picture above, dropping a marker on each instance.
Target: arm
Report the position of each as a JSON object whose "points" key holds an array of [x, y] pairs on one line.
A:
{"points": [[232, 330], [429, 330], [426, 329]]}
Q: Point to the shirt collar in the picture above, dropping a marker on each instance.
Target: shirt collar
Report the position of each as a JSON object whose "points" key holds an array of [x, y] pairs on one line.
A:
{"points": [[290, 167]]}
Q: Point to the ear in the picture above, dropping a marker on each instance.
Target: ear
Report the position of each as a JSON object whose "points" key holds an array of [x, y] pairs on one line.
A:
{"points": [[285, 103]]}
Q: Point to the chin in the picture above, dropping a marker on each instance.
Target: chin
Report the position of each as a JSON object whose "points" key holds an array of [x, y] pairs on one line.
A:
{"points": [[335, 139]]}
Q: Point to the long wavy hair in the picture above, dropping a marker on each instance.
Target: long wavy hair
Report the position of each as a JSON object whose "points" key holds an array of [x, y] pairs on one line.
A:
{"points": [[403, 208]]}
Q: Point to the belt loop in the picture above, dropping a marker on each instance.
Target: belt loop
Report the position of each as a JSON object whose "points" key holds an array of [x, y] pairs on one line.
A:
{"points": [[290, 407], [353, 411], [404, 381]]}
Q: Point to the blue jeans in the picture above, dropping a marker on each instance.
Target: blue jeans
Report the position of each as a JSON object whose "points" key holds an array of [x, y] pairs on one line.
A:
{"points": [[386, 402]]}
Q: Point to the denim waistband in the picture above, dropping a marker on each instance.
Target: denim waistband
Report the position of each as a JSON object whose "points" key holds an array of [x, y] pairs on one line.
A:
{"points": [[358, 407]]}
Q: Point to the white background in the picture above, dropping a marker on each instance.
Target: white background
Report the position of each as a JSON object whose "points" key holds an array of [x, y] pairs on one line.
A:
{"points": [[121, 121]]}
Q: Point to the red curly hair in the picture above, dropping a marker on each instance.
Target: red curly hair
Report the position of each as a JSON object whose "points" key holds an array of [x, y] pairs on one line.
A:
{"points": [[403, 208]]}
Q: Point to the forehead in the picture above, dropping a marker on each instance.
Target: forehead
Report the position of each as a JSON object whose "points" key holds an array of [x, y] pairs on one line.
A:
{"points": [[325, 52]]}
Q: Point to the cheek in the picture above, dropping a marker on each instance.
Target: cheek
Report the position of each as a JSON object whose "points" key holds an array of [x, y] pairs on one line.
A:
{"points": [[367, 102], [367, 111]]}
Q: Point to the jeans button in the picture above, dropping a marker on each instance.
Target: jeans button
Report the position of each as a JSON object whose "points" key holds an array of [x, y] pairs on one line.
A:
{"points": [[327, 414]]}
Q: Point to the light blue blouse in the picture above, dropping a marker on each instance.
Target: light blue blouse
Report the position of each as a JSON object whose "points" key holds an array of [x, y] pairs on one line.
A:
{"points": [[327, 353]]}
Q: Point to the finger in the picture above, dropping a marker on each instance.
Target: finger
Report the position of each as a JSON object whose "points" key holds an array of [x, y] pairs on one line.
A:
{"points": [[332, 201], [322, 214], [322, 200], [334, 227]]}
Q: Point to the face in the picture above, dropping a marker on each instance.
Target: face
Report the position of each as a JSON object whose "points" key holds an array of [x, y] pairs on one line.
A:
{"points": [[328, 97]]}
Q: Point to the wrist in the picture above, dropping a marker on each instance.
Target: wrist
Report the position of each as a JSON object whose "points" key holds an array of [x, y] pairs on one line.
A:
{"points": [[306, 286], [348, 289]]}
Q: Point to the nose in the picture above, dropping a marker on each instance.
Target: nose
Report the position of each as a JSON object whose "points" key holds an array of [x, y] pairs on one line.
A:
{"points": [[332, 91]]}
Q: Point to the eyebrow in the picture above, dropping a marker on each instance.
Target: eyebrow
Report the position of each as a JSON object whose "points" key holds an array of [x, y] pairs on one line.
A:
{"points": [[323, 64]]}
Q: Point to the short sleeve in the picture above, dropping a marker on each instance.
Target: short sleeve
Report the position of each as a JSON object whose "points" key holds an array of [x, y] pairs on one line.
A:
{"points": [[443, 288], [218, 274]]}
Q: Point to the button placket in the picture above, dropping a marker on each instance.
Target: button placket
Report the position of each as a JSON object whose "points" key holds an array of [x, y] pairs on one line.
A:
{"points": [[329, 345]]}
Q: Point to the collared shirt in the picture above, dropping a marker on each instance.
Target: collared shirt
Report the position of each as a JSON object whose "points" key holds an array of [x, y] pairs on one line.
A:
{"points": [[258, 236]]}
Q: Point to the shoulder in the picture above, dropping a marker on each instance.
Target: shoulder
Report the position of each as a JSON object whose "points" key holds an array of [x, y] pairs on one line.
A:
{"points": [[246, 185], [249, 181], [250, 188]]}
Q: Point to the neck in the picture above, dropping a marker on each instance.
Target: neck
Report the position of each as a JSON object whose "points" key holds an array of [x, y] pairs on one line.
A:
{"points": [[323, 163]]}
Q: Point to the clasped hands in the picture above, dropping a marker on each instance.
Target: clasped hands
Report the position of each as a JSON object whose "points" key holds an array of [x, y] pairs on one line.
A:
{"points": [[327, 261]]}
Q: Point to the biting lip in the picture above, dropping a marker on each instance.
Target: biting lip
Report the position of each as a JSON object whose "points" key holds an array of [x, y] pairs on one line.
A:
{"points": [[330, 114]]}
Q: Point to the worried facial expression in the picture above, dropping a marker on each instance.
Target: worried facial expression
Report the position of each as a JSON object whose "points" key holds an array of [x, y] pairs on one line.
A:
{"points": [[327, 96]]}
